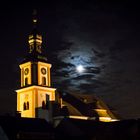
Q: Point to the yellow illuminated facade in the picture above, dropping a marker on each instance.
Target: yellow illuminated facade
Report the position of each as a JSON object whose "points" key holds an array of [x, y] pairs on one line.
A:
{"points": [[35, 73], [35, 92], [31, 98]]}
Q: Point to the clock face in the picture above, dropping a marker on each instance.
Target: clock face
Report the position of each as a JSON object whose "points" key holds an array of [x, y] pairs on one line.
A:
{"points": [[26, 71], [43, 71]]}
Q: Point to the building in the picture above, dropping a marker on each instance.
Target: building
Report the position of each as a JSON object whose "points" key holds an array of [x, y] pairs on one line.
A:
{"points": [[37, 99], [44, 113]]}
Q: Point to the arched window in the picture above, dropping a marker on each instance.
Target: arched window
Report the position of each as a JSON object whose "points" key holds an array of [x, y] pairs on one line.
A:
{"points": [[26, 81], [43, 105], [27, 105], [43, 80], [24, 106]]}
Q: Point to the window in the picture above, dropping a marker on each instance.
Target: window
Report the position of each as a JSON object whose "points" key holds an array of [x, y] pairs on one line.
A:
{"points": [[26, 81], [27, 105], [31, 48], [43, 80], [24, 106], [43, 105]]}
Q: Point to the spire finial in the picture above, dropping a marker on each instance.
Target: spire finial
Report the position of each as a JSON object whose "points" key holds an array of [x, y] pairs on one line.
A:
{"points": [[34, 17]]}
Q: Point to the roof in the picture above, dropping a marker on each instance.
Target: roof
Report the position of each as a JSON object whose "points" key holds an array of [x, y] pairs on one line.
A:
{"points": [[86, 105], [35, 57]]}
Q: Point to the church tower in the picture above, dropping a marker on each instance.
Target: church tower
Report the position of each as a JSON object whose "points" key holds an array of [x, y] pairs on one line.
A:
{"points": [[37, 99], [35, 94]]}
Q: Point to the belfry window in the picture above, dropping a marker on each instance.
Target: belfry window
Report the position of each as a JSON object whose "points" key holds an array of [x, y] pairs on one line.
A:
{"points": [[26, 81], [43, 80], [31, 48]]}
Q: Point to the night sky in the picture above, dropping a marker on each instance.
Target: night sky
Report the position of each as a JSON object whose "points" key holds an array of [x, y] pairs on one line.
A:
{"points": [[103, 37]]}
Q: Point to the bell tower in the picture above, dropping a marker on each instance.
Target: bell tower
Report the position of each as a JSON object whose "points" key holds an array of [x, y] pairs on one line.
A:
{"points": [[35, 95]]}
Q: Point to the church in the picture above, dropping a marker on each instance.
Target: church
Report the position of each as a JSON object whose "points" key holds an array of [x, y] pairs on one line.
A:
{"points": [[36, 98], [45, 113]]}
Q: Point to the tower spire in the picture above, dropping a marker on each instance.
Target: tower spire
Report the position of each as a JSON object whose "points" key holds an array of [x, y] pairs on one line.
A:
{"points": [[35, 39], [34, 19]]}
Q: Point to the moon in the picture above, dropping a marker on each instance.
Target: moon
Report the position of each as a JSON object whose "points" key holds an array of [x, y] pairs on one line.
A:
{"points": [[80, 69]]}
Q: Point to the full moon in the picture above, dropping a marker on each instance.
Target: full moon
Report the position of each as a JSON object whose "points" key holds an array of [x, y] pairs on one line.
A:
{"points": [[80, 69]]}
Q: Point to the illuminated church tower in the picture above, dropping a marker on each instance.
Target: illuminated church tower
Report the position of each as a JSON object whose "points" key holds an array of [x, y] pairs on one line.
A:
{"points": [[35, 94]]}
